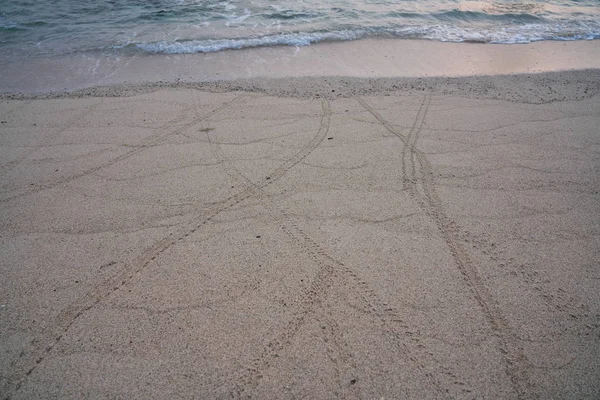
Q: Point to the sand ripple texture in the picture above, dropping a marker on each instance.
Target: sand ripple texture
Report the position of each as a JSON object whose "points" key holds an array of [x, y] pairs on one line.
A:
{"points": [[185, 244]]}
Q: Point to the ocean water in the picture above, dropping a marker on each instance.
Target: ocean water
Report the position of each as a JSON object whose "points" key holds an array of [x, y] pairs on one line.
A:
{"points": [[54, 28]]}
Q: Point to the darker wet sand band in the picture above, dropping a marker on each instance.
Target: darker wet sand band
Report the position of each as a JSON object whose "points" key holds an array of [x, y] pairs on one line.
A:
{"points": [[383, 58]]}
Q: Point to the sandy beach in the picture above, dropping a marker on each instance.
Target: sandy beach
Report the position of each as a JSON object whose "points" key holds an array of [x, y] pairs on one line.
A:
{"points": [[312, 237]]}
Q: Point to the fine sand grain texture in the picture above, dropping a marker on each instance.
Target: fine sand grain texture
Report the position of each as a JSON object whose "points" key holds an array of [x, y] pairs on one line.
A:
{"points": [[299, 240]]}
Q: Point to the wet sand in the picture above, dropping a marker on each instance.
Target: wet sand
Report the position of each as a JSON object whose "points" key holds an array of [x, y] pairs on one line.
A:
{"points": [[372, 58], [318, 238]]}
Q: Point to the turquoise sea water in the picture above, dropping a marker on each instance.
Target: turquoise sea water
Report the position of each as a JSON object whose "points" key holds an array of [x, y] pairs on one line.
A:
{"points": [[48, 28]]}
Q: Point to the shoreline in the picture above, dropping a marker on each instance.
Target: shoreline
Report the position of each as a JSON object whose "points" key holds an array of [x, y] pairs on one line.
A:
{"points": [[367, 58]]}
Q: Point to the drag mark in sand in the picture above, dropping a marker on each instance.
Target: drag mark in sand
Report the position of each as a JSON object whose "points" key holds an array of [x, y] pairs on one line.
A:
{"points": [[154, 140], [311, 296], [330, 272], [15, 163], [338, 353], [417, 177], [53, 333]]}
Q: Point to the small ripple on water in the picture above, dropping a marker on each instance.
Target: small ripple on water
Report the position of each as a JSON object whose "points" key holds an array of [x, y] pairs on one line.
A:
{"points": [[29, 29]]}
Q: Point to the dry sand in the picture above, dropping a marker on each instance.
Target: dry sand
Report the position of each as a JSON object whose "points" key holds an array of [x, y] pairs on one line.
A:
{"points": [[303, 238]]}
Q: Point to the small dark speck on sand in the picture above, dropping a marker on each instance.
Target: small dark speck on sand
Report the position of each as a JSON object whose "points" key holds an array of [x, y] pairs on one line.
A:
{"points": [[108, 264], [329, 138], [353, 381], [258, 236]]}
